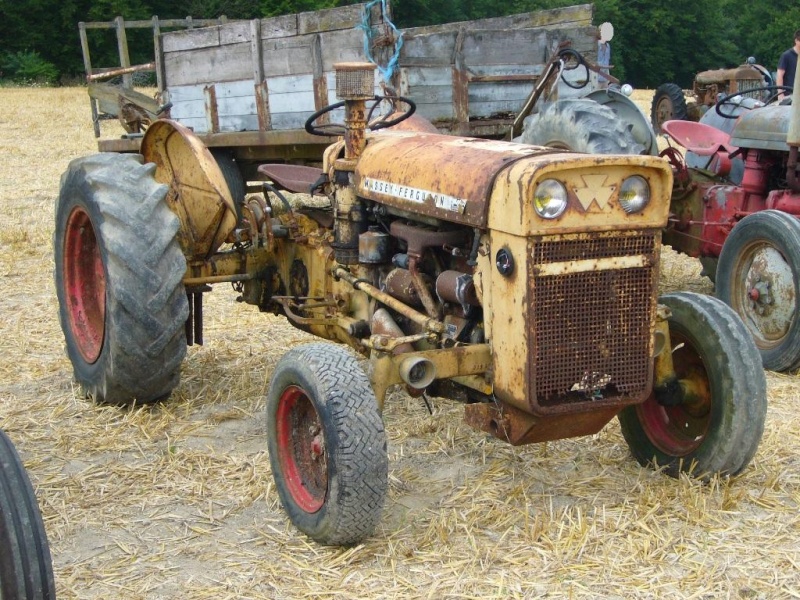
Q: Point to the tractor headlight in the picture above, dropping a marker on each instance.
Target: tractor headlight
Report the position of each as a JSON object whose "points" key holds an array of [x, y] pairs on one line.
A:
{"points": [[550, 199], [634, 194]]}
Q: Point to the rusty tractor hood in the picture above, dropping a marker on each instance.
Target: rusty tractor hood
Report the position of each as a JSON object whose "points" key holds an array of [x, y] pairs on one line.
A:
{"points": [[763, 128], [453, 178], [440, 176]]}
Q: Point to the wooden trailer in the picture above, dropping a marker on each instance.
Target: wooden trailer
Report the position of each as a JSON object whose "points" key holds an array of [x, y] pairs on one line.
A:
{"points": [[250, 85]]}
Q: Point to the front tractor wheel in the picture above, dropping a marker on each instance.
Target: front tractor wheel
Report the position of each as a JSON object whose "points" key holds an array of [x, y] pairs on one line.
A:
{"points": [[327, 444], [758, 275], [119, 279], [668, 104], [713, 422]]}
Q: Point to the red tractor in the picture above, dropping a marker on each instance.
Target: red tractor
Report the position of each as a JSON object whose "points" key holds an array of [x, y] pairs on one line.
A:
{"points": [[735, 206]]}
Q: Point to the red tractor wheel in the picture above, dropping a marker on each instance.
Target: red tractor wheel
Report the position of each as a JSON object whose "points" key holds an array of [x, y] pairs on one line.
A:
{"points": [[327, 444], [119, 279], [716, 425], [758, 275]]}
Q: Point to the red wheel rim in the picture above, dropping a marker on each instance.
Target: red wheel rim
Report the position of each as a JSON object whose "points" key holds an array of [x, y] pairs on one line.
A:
{"points": [[680, 430], [301, 449], [84, 285]]}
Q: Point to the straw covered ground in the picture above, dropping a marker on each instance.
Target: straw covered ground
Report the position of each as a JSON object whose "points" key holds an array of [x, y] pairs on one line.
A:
{"points": [[177, 500]]}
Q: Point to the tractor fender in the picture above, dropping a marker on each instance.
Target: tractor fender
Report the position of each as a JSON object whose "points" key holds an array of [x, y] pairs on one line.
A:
{"points": [[198, 191]]}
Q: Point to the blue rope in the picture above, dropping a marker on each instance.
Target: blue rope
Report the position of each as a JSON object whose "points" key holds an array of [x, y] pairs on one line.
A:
{"points": [[387, 71]]}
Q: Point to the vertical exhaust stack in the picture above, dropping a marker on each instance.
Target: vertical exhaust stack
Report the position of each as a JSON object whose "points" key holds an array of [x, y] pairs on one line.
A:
{"points": [[793, 136]]}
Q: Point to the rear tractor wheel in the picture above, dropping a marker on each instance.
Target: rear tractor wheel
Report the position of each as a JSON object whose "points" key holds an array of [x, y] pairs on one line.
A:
{"points": [[712, 421], [119, 279], [580, 125], [327, 444]]}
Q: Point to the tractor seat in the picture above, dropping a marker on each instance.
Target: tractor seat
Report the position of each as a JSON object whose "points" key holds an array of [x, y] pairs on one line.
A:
{"points": [[298, 179], [699, 138]]}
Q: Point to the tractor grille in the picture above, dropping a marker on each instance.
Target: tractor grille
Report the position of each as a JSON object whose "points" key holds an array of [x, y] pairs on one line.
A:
{"points": [[744, 85], [591, 330]]}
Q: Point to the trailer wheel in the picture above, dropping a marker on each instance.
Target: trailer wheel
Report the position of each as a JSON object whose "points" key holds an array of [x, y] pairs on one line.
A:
{"points": [[718, 421], [26, 570], [119, 279], [327, 444], [758, 275], [668, 104], [580, 125]]}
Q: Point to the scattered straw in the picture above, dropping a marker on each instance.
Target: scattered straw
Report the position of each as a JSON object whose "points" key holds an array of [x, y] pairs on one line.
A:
{"points": [[177, 500]]}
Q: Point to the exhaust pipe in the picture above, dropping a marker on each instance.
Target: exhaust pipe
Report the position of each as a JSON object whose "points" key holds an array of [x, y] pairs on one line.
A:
{"points": [[417, 372]]}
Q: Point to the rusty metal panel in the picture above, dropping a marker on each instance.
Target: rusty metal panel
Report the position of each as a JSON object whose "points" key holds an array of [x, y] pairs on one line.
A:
{"points": [[591, 333], [435, 175]]}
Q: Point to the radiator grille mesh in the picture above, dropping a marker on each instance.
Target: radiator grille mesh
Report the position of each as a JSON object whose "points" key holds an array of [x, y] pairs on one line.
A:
{"points": [[591, 330]]}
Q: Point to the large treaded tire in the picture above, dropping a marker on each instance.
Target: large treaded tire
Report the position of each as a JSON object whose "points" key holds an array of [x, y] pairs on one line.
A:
{"points": [[717, 431], [327, 444], [119, 278], [582, 126], [758, 275], [668, 104], [26, 569]]}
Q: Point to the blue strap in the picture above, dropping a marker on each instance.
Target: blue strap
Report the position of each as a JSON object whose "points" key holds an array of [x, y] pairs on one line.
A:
{"points": [[387, 71]]}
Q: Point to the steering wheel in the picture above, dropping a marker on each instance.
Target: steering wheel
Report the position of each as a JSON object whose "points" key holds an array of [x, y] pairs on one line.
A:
{"points": [[572, 59], [337, 129], [775, 91]]}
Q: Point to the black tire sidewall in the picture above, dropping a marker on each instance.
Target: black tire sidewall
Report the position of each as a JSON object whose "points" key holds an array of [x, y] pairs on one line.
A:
{"points": [[26, 571], [354, 439], [739, 394], [77, 191], [674, 94], [314, 524], [782, 231]]}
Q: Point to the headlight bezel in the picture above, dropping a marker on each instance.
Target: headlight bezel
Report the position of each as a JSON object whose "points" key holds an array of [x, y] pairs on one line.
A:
{"points": [[550, 199], [634, 201]]}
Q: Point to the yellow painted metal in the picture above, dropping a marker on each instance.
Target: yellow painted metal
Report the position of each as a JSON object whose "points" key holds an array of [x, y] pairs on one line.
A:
{"points": [[592, 182], [198, 193]]}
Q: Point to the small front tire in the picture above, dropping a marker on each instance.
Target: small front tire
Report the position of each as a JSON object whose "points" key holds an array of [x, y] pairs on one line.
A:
{"points": [[668, 104], [327, 444], [717, 426]]}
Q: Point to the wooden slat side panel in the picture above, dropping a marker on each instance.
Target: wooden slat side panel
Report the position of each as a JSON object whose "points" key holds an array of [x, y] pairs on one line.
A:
{"points": [[190, 39], [278, 27], [209, 65], [571, 16], [342, 46], [332, 19], [287, 56]]}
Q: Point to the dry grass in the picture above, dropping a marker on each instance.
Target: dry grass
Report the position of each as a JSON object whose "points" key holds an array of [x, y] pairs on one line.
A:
{"points": [[177, 500]]}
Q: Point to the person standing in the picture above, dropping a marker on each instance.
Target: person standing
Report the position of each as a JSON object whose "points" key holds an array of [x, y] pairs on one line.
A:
{"points": [[604, 34], [787, 65]]}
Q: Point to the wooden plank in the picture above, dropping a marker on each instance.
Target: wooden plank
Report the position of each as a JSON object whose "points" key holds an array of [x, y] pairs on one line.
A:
{"points": [[191, 39], [211, 109], [432, 50], [238, 123], [277, 27], [486, 47], [571, 16], [226, 63], [342, 46], [332, 19], [236, 32], [287, 56], [298, 101], [291, 83]]}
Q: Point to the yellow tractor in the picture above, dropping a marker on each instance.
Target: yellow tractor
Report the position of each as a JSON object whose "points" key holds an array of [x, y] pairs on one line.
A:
{"points": [[519, 279]]}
